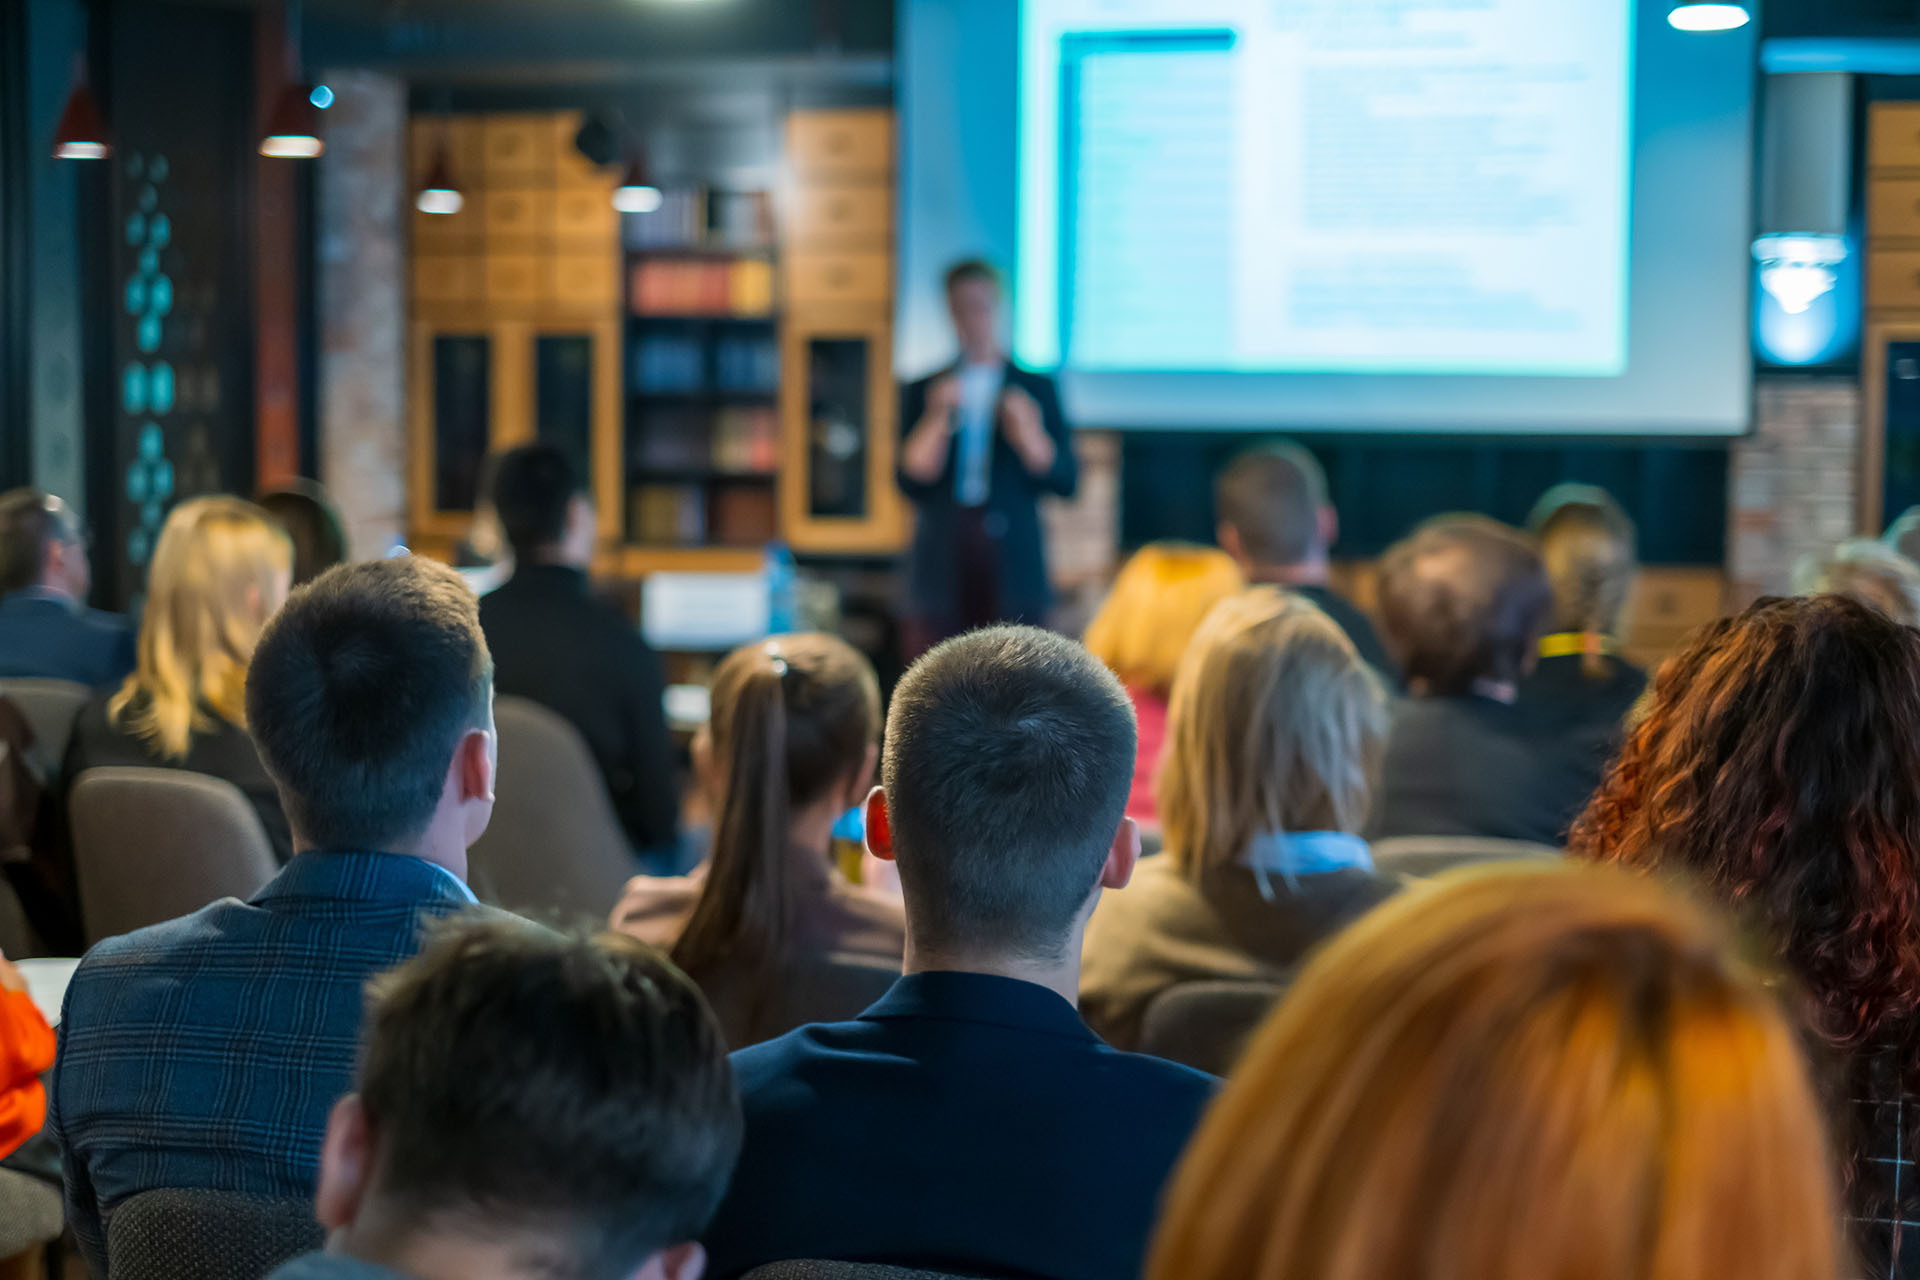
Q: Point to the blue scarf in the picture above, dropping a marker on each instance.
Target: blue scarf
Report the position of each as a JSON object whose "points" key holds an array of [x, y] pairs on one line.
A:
{"points": [[1291, 855]]}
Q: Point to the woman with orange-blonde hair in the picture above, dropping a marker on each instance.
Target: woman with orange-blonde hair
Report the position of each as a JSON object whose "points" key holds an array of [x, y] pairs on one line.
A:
{"points": [[1523, 1073], [1158, 601]]}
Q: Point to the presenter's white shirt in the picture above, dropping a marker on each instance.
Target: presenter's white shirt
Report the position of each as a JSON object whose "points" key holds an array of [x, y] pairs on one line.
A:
{"points": [[973, 432]]}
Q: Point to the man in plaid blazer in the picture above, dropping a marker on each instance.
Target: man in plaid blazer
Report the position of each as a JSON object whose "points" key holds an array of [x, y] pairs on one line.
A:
{"points": [[205, 1052]]}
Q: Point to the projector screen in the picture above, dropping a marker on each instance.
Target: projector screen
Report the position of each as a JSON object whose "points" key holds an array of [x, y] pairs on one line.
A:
{"points": [[1471, 216]]}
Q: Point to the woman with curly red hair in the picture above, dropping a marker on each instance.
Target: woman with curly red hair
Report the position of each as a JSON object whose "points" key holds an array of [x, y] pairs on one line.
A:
{"points": [[1779, 765]]}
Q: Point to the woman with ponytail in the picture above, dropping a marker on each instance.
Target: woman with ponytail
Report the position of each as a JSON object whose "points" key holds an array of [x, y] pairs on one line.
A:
{"points": [[1582, 691], [790, 746]]}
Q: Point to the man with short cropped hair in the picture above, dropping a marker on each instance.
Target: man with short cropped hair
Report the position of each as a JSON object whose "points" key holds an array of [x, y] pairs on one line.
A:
{"points": [[204, 1052], [530, 1106], [970, 1122], [556, 643], [1277, 522], [46, 630]]}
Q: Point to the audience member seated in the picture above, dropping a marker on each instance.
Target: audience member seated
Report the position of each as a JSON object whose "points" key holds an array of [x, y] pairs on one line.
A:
{"points": [[1581, 691], [1903, 535], [553, 641], [1516, 1074], [969, 1121], [1465, 601], [1158, 601], [312, 521], [1776, 767], [1869, 571], [1278, 523], [26, 1053], [529, 1105], [204, 1052], [219, 571], [1277, 732], [789, 748], [46, 630]]}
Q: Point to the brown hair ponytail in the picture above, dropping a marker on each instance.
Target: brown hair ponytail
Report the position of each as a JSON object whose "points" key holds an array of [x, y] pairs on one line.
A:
{"points": [[791, 719], [1588, 545]]}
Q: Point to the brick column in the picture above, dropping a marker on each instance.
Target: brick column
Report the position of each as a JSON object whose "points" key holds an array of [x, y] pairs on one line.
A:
{"points": [[361, 238], [1792, 485]]}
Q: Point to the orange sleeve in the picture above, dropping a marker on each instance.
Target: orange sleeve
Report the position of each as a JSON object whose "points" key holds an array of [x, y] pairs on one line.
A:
{"points": [[26, 1041], [26, 1050]]}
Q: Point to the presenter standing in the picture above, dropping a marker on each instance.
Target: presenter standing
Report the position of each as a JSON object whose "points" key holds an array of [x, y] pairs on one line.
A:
{"points": [[984, 441]]}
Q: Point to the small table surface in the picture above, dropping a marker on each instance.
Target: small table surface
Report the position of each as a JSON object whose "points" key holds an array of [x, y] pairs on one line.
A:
{"points": [[47, 980]]}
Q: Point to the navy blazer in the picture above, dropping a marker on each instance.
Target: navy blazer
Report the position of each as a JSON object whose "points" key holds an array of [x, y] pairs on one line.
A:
{"points": [[1012, 510], [49, 638], [965, 1123]]}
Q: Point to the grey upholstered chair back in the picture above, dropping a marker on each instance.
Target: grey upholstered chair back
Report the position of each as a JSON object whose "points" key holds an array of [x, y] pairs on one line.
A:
{"points": [[840, 987], [1205, 1025], [1421, 856], [811, 1269], [554, 847], [153, 844], [52, 707], [206, 1235], [30, 1213]]}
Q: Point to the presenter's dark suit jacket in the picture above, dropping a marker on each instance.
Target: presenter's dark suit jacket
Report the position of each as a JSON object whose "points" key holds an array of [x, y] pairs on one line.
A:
{"points": [[49, 639], [1012, 512], [965, 1123]]}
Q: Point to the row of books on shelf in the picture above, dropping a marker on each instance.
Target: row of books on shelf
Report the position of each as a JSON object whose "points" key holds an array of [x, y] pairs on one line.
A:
{"points": [[733, 439], [689, 218], [702, 287], [689, 515], [673, 363]]}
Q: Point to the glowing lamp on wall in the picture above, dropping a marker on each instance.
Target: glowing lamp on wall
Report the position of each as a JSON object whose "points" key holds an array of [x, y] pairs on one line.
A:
{"points": [[1798, 270], [438, 194], [636, 194], [1689, 15]]}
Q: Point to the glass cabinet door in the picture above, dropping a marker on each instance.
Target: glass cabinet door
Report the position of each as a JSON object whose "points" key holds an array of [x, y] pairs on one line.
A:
{"points": [[838, 420]]}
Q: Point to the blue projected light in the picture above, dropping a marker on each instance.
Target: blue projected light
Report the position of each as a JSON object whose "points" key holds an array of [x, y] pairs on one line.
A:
{"points": [[1806, 305], [321, 97]]}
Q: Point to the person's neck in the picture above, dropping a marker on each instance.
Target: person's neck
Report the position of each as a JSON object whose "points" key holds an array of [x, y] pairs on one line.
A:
{"points": [[982, 355], [551, 558], [448, 855], [1311, 572], [1060, 976], [425, 1255], [810, 831]]}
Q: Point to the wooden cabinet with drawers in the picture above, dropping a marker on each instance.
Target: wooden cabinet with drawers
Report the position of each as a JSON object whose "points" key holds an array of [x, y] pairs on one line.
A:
{"points": [[514, 311]]}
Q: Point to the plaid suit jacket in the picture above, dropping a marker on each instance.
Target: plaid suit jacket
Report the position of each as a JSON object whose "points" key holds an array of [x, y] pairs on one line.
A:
{"points": [[206, 1052]]}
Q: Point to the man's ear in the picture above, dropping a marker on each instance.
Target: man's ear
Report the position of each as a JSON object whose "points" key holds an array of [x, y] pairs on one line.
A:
{"points": [[474, 761], [879, 828], [1229, 539], [1122, 857], [675, 1262], [1329, 527], [346, 1164]]}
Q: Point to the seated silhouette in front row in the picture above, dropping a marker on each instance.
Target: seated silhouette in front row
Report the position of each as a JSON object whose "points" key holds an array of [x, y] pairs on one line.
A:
{"points": [[203, 1053], [970, 1121], [530, 1105]]}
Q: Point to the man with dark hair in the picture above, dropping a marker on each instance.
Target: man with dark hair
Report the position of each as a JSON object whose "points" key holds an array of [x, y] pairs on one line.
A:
{"points": [[204, 1052], [969, 1121], [1464, 601], [556, 643], [1276, 521], [529, 1105], [46, 629], [985, 439]]}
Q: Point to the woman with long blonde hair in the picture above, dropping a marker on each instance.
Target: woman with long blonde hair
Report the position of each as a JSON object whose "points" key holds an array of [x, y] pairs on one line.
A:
{"points": [[222, 567], [1162, 594], [1533, 1072], [1275, 735]]}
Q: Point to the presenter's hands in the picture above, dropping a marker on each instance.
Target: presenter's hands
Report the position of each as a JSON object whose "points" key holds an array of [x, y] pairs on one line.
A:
{"points": [[924, 456], [1026, 431]]}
